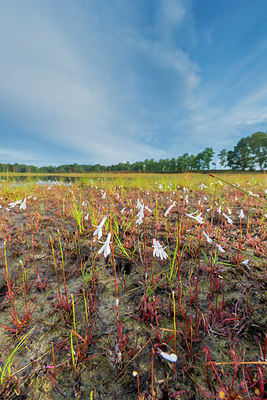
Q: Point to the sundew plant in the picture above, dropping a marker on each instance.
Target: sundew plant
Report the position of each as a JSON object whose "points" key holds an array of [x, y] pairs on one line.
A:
{"points": [[133, 286]]}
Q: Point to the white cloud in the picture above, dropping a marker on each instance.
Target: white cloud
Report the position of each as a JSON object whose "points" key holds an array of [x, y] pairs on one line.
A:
{"points": [[99, 93]]}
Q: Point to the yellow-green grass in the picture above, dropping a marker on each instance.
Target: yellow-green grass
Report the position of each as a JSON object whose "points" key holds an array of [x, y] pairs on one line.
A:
{"points": [[143, 180]]}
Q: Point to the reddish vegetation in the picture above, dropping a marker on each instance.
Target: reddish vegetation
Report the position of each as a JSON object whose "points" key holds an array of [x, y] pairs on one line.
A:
{"points": [[180, 297]]}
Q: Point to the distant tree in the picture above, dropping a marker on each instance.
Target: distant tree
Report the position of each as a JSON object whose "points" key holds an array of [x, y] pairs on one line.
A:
{"points": [[203, 159], [241, 157], [137, 166], [207, 156], [223, 157], [198, 162], [258, 146]]}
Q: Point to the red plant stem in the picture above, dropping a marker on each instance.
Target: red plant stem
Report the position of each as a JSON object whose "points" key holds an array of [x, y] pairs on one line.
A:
{"points": [[63, 269], [145, 262], [152, 375], [213, 208], [265, 348], [179, 276], [235, 368], [10, 293], [138, 388], [248, 217], [55, 265], [42, 286], [116, 285], [261, 381], [206, 350], [24, 287], [153, 289]]}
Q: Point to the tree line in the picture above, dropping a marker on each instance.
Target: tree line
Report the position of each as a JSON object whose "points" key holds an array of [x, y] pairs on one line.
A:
{"points": [[250, 153]]}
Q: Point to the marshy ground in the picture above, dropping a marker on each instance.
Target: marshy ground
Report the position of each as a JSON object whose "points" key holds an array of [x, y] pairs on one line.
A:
{"points": [[75, 324]]}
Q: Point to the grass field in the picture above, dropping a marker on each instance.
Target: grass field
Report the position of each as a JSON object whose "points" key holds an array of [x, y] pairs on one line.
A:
{"points": [[133, 286]]}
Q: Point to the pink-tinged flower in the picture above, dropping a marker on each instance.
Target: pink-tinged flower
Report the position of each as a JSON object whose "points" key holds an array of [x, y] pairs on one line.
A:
{"points": [[209, 240], [169, 209], [106, 246], [98, 230], [158, 250], [198, 218]]}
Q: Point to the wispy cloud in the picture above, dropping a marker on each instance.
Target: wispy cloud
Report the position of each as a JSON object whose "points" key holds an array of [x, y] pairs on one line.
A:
{"points": [[112, 81], [107, 93]]}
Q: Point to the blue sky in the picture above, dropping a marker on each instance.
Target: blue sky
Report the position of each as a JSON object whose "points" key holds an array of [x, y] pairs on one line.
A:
{"points": [[91, 81]]}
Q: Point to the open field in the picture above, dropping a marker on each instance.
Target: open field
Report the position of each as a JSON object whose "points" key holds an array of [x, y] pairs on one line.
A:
{"points": [[160, 275]]}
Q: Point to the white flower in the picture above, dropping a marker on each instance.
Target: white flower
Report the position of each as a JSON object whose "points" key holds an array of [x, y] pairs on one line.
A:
{"points": [[241, 214], [104, 195], [253, 194], [229, 211], [158, 250], [169, 209], [98, 230], [140, 215], [106, 247], [220, 248], [160, 186], [139, 204], [198, 218], [123, 209], [23, 204], [219, 210], [209, 240], [245, 262], [14, 203], [228, 218], [170, 357], [86, 217]]}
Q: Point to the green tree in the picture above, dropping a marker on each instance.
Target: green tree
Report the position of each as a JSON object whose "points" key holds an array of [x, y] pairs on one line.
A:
{"points": [[258, 146], [223, 157], [241, 157], [207, 156]]}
